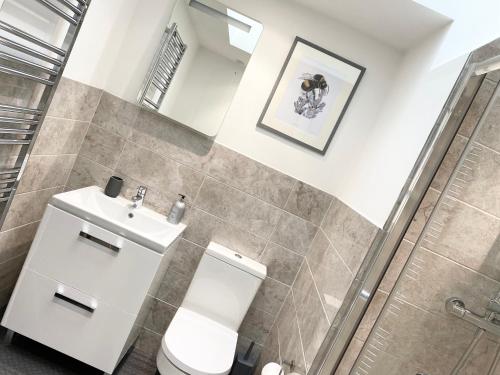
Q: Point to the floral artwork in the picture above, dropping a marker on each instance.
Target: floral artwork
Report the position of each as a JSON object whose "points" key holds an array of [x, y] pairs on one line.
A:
{"points": [[310, 102], [311, 96]]}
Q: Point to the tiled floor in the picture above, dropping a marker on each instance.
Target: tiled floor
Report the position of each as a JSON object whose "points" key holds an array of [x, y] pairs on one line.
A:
{"points": [[26, 357]]}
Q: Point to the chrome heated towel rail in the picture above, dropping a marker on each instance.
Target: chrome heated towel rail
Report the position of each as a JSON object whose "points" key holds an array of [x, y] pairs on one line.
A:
{"points": [[30, 58], [162, 69]]}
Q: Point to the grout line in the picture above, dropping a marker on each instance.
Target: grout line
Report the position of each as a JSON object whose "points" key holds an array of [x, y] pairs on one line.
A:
{"points": [[36, 191], [294, 306], [326, 214], [459, 264], [20, 226], [64, 118], [199, 190], [296, 182], [336, 252], [14, 258], [119, 156], [151, 331], [486, 147], [319, 294], [455, 199]]}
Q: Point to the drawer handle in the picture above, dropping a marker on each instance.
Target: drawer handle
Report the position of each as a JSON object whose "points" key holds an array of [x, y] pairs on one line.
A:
{"points": [[83, 306], [99, 241]]}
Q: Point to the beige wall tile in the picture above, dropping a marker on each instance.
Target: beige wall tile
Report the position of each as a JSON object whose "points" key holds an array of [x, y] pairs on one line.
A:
{"points": [[432, 339], [10, 270], [249, 175], [240, 209], [74, 100], [290, 344], [270, 352], [422, 215], [159, 317], [203, 228], [186, 257], [449, 163], [17, 241], [159, 172], [441, 279], [270, 296], [384, 363], [147, 344], [294, 233], [115, 115], [102, 146], [311, 316], [88, 173], [308, 202], [60, 136], [174, 287], [256, 325], [398, 262], [488, 134], [282, 264], [45, 171], [332, 283], [482, 186], [477, 107], [469, 237], [28, 207], [349, 232]]}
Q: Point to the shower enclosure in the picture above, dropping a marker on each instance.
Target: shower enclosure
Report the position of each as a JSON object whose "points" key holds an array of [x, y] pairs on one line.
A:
{"points": [[435, 309], [441, 317]]}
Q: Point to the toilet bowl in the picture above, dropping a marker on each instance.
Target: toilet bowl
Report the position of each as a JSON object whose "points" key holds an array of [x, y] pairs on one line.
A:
{"points": [[201, 339]]}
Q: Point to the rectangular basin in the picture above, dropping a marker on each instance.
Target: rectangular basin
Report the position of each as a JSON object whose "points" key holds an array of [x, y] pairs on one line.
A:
{"points": [[141, 225]]}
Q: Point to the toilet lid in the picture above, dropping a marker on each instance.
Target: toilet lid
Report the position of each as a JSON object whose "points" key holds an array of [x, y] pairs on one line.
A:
{"points": [[198, 345]]}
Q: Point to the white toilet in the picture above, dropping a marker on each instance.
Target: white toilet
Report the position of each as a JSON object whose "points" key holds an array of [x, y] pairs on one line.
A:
{"points": [[201, 339]]}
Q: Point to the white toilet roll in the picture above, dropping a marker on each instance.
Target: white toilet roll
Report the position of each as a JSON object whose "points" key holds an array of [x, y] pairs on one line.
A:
{"points": [[271, 368]]}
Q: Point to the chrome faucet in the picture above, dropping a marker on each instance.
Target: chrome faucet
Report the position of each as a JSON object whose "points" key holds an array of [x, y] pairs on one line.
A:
{"points": [[489, 322], [138, 199]]}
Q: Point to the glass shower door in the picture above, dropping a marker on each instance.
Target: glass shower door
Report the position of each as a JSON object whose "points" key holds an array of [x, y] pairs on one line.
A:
{"points": [[457, 255]]}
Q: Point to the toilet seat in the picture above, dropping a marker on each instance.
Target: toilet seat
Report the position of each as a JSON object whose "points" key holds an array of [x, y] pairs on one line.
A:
{"points": [[199, 346]]}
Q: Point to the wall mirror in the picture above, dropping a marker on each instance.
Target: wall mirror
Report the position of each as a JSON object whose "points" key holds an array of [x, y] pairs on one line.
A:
{"points": [[199, 63]]}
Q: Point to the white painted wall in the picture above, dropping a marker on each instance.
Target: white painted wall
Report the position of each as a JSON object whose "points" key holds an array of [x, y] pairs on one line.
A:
{"points": [[239, 132], [399, 133], [384, 128]]}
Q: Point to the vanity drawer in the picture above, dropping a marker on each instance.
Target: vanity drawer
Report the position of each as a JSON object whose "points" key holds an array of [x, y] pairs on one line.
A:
{"points": [[93, 260], [67, 320]]}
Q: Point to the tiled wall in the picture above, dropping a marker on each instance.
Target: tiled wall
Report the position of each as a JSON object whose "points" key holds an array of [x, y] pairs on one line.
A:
{"points": [[242, 204], [413, 332], [89, 135], [46, 173]]}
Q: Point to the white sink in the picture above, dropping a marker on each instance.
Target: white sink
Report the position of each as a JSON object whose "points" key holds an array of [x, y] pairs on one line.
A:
{"points": [[140, 225]]}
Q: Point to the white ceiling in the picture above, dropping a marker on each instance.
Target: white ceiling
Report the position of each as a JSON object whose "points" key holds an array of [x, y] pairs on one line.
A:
{"points": [[398, 23]]}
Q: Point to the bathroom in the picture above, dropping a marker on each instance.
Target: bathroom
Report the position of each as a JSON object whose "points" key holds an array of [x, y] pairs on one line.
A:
{"points": [[169, 202]]}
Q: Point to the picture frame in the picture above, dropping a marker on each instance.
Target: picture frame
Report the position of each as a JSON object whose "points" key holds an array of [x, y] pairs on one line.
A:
{"points": [[311, 95]]}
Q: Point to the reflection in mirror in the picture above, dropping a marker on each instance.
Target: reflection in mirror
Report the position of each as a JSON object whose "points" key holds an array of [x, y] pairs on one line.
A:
{"points": [[199, 64]]}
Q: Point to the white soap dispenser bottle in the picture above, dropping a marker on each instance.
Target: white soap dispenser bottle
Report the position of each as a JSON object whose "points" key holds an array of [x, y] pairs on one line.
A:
{"points": [[177, 211]]}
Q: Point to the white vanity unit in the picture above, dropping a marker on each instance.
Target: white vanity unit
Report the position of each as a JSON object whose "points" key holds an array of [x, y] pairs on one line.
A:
{"points": [[83, 287]]}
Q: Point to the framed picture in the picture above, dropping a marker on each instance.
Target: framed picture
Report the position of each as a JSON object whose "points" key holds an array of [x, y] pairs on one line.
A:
{"points": [[311, 95]]}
